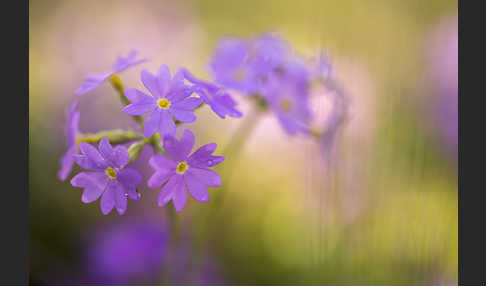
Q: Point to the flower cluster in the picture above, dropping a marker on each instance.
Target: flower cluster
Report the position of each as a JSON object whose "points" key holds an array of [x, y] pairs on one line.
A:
{"points": [[264, 69], [169, 103], [267, 69]]}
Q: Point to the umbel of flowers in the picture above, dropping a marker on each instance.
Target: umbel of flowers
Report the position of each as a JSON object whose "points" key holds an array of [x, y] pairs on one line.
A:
{"points": [[264, 70]]}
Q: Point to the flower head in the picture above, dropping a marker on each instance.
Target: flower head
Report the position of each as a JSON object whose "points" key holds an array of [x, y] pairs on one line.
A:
{"points": [[215, 96], [181, 171], [71, 129], [232, 65], [290, 105], [129, 251], [110, 177], [91, 81], [170, 97]]}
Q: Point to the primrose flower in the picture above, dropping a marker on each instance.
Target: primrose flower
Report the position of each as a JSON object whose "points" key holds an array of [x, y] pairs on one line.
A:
{"points": [[231, 65], [170, 97], [71, 129], [110, 177], [216, 97], [289, 102], [91, 81], [181, 171]]}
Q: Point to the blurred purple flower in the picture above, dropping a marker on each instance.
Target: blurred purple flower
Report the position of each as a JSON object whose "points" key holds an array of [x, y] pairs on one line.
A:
{"points": [[442, 57], [131, 251], [111, 178], [182, 170], [71, 129], [91, 81], [231, 65], [216, 97], [170, 97], [290, 105]]}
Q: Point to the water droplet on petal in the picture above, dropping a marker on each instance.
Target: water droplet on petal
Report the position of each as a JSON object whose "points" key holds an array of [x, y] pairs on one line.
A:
{"points": [[139, 195], [125, 195], [210, 162]]}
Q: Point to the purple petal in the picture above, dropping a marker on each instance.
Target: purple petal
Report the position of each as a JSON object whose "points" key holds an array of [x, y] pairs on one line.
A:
{"points": [[188, 103], [204, 176], [91, 160], [150, 82], [119, 196], [179, 149], [165, 194], [167, 125], [72, 123], [116, 157], [107, 200], [163, 79], [161, 162], [202, 157], [198, 191], [139, 108], [67, 162], [151, 125], [179, 194], [141, 102], [90, 82], [123, 63], [184, 116], [136, 96], [129, 177], [132, 193], [94, 183], [159, 178]]}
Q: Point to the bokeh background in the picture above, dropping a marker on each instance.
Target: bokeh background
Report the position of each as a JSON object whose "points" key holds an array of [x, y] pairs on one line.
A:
{"points": [[383, 212]]}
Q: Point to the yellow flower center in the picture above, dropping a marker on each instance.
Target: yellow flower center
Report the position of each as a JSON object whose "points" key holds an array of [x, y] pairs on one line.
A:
{"points": [[182, 167], [163, 103], [110, 172], [286, 105]]}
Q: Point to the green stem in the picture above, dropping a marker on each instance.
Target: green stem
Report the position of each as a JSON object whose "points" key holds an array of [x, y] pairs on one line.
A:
{"points": [[234, 147], [115, 136]]}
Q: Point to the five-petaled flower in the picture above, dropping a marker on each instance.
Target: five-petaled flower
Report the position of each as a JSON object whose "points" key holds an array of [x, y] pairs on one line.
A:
{"points": [[181, 171], [111, 178], [71, 129], [92, 80], [170, 97]]}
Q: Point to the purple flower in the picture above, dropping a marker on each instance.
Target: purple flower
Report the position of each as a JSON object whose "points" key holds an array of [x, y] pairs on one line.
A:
{"points": [[231, 65], [216, 97], [128, 252], [71, 129], [91, 81], [110, 177], [170, 97], [181, 171], [290, 105]]}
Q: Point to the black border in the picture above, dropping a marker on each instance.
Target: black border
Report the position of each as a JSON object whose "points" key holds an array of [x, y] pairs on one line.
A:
{"points": [[15, 147]]}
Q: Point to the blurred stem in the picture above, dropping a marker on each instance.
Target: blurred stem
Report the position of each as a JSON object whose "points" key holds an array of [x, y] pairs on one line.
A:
{"points": [[233, 149], [116, 136], [117, 84]]}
